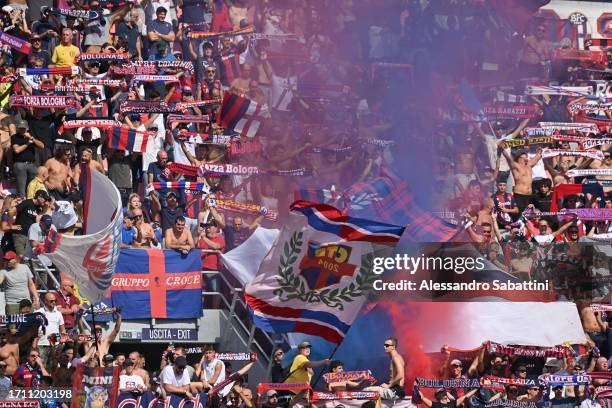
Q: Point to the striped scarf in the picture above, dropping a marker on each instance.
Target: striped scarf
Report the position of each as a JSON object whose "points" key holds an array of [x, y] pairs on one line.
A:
{"points": [[49, 71], [580, 55], [181, 185], [343, 395]]}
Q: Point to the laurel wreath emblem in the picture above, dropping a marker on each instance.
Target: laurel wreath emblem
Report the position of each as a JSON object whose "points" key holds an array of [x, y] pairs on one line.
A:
{"points": [[293, 286]]}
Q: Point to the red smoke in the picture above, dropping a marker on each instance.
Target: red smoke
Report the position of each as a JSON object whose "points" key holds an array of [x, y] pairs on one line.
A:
{"points": [[412, 322]]}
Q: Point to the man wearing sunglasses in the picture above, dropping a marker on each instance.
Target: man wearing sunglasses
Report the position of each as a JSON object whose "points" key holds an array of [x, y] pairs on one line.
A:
{"points": [[394, 389], [67, 303], [55, 328]]}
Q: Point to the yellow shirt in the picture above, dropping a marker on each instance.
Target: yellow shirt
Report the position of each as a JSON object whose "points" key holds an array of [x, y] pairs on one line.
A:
{"points": [[298, 375], [64, 55], [35, 185]]}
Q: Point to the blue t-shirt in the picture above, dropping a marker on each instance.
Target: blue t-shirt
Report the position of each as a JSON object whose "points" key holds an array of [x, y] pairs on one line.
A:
{"points": [[128, 235]]}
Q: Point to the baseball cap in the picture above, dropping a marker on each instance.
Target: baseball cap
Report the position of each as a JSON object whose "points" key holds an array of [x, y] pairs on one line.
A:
{"points": [[456, 362], [46, 220], [155, 380], [128, 362], [9, 255], [181, 361], [270, 393], [23, 124], [304, 344], [440, 392], [171, 193], [110, 357]]}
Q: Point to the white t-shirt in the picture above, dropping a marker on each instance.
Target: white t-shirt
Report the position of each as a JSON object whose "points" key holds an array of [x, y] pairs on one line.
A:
{"points": [[282, 92], [130, 382], [168, 377], [56, 320]]}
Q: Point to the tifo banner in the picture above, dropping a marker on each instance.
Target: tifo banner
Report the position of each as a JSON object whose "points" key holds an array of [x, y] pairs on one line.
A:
{"points": [[95, 387], [89, 260], [314, 278], [157, 283]]}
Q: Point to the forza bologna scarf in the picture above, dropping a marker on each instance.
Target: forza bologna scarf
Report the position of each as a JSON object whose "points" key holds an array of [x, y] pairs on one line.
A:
{"points": [[149, 106], [188, 119], [42, 101], [98, 56]]}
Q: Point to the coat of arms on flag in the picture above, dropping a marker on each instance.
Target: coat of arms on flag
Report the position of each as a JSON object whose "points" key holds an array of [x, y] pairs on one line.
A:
{"points": [[315, 277], [241, 114]]}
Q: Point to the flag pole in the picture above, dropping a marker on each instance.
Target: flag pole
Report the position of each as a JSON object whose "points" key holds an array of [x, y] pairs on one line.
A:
{"points": [[93, 323], [321, 373]]}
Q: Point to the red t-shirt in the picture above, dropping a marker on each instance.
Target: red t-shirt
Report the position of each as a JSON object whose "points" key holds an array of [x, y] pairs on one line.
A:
{"points": [[67, 303], [211, 261]]}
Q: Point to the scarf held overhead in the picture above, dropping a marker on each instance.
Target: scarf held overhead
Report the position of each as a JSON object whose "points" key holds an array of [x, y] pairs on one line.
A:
{"points": [[43, 101], [591, 154]]}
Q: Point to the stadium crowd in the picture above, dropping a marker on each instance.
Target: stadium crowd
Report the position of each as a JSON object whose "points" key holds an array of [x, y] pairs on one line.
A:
{"points": [[82, 82]]}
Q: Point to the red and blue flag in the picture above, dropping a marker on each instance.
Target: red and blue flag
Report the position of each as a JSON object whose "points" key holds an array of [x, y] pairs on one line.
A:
{"points": [[124, 138], [157, 283]]}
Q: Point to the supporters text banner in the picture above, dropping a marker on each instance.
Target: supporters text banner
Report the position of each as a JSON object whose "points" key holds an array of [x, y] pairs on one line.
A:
{"points": [[315, 277], [157, 283]]}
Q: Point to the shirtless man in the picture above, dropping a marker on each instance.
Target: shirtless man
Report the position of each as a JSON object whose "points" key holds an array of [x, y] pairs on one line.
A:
{"points": [[179, 238], [592, 324], [59, 181], [105, 343], [9, 352], [134, 356], [606, 164], [86, 157], [395, 388], [521, 172]]}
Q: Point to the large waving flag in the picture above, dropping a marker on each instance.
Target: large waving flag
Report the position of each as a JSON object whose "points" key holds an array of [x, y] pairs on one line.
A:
{"points": [[157, 283], [124, 138], [241, 114], [389, 199], [315, 277], [90, 259]]}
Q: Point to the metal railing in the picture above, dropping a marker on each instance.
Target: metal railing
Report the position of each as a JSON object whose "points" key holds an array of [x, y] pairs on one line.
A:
{"points": [[233, 309]]}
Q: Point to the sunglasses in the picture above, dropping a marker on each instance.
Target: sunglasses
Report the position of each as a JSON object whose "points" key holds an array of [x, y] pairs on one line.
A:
{"points": [[34, 355], [388, 345], [52, 301]]}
